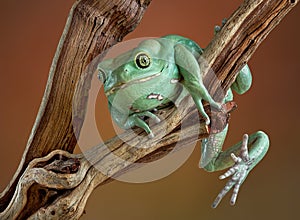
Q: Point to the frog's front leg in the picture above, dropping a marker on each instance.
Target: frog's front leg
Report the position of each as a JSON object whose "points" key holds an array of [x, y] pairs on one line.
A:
{"points": [[126, 121], [189, 68], [241, 158], [136, 120]]}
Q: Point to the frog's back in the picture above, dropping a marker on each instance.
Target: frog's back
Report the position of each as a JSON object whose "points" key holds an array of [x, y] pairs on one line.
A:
{"points": [[191, 45]]}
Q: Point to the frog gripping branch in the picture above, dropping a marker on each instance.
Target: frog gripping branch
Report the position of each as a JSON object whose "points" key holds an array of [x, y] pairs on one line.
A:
{"points": [[147, 77], [140, 81]]}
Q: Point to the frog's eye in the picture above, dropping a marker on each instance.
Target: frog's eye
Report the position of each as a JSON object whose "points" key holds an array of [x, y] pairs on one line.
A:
{"points": [[142, 60], [101, 75]]}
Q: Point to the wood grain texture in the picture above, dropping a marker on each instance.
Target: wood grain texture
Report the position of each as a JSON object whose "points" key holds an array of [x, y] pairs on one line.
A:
{"points": [[92, 27], [64, 180]]}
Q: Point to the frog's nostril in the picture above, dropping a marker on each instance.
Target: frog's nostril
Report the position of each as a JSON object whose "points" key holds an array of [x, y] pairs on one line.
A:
{"points": [[124, 75]]}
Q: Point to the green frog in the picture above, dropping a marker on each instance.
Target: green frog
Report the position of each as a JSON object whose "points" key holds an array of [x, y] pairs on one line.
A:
{"points": [[155, 74]]}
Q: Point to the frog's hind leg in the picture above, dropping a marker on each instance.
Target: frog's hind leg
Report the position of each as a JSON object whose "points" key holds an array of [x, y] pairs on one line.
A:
{"points": [[241, 159]]}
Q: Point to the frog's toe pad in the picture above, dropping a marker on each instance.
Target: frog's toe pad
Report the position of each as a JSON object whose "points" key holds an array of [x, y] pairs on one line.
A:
{"points": [[207, 121], [157, 120], [151, 135], [217, 29]]}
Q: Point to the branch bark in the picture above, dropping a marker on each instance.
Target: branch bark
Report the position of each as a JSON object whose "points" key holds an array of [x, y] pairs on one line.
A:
{"points": [[50, 180], [92, 27]]}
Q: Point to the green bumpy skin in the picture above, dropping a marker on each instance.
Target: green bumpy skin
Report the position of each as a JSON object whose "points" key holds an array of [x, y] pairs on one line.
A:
{"points": [[152, 75]]}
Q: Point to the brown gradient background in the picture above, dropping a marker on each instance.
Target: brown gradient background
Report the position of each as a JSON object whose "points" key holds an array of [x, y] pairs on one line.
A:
{"points": [[30, 31]]}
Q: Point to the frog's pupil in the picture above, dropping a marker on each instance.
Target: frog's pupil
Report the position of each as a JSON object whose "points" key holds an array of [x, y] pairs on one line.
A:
{"points": [[144, 60]]}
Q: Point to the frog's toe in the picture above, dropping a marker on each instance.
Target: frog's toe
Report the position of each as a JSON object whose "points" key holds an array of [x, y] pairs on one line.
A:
{"points": [[150, 115], [158, 120], [224, 21], [207, 121], [217, 29], [137, 119], [206, 118], [151, 135], [154, 117]]}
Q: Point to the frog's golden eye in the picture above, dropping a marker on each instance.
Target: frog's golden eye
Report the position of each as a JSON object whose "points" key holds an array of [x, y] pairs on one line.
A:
{"points": [[142, 60]]}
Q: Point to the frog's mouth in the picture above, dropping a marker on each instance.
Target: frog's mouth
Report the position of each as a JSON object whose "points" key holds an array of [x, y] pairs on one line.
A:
{"points": [[124, 85]]}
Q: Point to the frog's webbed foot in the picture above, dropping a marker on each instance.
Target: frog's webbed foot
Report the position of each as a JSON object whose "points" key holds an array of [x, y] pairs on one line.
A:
{"points": [[239, 172], [137, 119]]}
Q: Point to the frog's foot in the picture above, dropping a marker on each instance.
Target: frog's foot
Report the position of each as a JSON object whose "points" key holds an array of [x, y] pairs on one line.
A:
{"points": [[239, 172], [219, 28], [216, 105], [137, 120]]}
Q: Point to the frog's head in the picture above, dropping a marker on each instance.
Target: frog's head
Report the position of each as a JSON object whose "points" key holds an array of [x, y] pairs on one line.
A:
{"points": [[145, 62]]}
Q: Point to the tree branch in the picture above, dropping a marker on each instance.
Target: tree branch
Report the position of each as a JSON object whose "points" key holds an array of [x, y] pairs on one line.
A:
{"points": [[92, 27], [65, 181]]}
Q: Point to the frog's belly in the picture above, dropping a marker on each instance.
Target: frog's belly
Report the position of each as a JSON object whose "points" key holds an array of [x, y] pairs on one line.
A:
{"points": [[145, 96]]}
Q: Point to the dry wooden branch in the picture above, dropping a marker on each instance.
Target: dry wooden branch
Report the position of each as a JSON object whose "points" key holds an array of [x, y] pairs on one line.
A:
{"points": [[92, 27], [52, 183]]}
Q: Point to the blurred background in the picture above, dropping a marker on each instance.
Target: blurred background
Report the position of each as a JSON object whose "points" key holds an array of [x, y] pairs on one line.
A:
{"points": [[30, 31]]}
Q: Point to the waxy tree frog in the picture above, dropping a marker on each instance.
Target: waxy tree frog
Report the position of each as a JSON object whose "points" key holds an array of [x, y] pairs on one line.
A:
{"points": [[154, 74]]}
